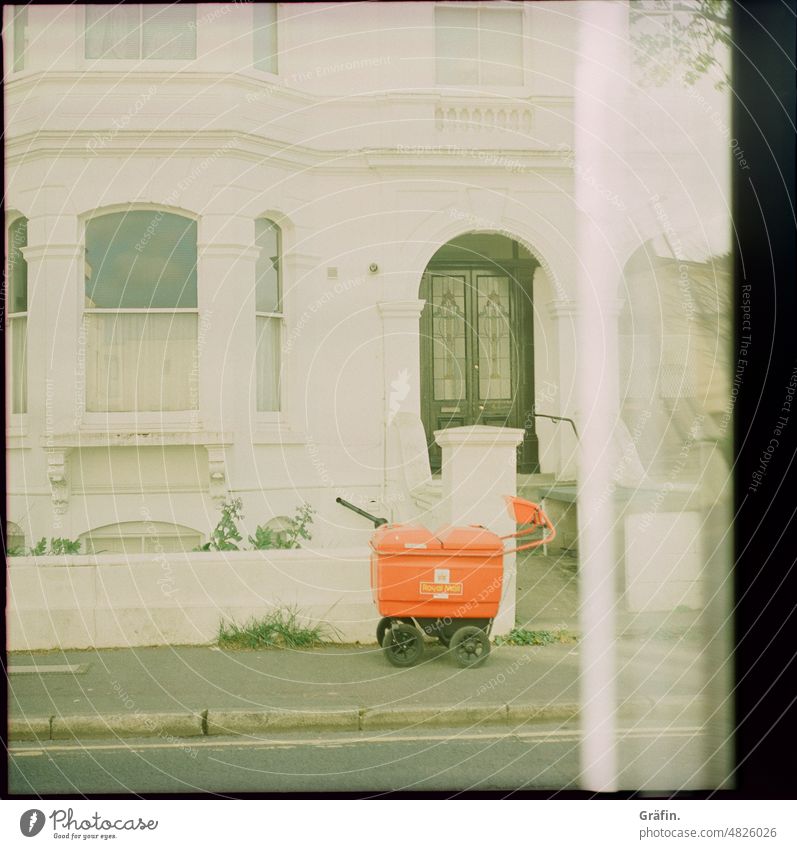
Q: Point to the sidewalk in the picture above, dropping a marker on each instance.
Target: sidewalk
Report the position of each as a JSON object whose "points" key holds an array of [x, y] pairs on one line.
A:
{"points": [[176, 692]]}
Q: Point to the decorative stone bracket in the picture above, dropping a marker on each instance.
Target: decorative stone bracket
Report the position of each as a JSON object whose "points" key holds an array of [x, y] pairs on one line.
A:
{"points": [[217, 471], [57, 476]]}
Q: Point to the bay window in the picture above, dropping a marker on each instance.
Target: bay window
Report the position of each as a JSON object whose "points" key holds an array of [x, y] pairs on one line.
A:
{"points": [[268, 306], [17, 312], [140, 314], [479, 46], [141, 31]]}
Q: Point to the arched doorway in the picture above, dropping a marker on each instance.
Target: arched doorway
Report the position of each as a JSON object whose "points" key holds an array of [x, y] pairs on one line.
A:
{"points": [[477, 342]]}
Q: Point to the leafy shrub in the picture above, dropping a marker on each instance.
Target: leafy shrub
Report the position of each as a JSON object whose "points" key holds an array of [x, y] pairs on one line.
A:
{"points": [[298, 529], [40, 548], [64, 546], [226, 533], [58, 545], [280, 629]]}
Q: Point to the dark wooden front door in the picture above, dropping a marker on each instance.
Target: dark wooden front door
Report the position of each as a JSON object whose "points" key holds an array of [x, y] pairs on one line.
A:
{"points": [[477, 352]]}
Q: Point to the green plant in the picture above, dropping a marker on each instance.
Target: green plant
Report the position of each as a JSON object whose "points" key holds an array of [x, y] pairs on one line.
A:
{"points": [[40, 548], [266, 538], [226, 533], [280, 629], [16, 551], [289, 537], [522, 637], [58, 545]]}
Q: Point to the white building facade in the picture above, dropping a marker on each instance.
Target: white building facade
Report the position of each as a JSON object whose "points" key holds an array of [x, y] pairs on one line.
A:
{"points": [[244, 238]]}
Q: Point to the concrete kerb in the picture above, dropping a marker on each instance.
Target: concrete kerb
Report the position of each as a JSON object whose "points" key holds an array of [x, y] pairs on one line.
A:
{"points": [[224, 722], [164, 725], [30, 728], [229, 722]]}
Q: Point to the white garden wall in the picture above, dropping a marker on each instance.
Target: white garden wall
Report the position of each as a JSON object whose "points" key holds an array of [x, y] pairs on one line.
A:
{"points": [[179, 599]]}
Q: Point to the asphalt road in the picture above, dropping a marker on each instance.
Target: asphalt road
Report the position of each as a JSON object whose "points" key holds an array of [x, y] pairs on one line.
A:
{"points": [[543, 757]]}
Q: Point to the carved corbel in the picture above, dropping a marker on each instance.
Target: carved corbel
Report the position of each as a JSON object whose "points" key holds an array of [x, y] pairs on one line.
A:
{"points": [[217, 471], [59, 484]]}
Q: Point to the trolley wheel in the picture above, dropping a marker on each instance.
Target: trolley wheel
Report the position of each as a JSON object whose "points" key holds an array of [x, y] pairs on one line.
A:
{"points": [[470, 646], [383, 625], [403, 644]]}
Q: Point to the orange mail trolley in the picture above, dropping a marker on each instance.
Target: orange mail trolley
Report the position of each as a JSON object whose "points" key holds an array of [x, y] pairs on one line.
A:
{"points": [[447, 584]]}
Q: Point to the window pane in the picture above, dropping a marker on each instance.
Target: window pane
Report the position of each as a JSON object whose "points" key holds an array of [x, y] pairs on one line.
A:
{"points": [[140, 538], [169, 32], [267, 268], [20, 36], [112, 31], [19, 365], [495, 338], [141, 259], [501, 47], [265, 37], [15, 536], [268, 364], [139, 362], [449, 331], [456, 45], [17, 266]]}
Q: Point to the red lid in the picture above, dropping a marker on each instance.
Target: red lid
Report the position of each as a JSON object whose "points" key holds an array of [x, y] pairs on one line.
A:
{"points": [[469, 538], [404, 538]]}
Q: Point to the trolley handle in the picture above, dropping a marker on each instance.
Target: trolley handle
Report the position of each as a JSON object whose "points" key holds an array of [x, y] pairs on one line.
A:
{"points": [[377, 520], [538, 520]]}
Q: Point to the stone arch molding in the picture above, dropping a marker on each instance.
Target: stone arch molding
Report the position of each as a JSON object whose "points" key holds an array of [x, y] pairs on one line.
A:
{"points": [[136, 206], [442, 227]]}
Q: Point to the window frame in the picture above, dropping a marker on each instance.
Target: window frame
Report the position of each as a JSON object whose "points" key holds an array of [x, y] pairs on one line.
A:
{"points": [[153, 63], [277, 27], [157, 418], [19, 26], [11, 318], [479, 9], [162, 530], [272, 416]]}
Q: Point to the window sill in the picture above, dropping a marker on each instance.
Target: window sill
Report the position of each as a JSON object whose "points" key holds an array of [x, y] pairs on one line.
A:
{"points": [[474, 91], [275, 433], [187, 420], [17, 435], [136, 438]]}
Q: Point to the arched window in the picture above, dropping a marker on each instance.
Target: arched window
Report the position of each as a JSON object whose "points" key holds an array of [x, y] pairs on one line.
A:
{"points": [[140, 317], [268, 298], [140, 538], [15, 538], [17, 312]]}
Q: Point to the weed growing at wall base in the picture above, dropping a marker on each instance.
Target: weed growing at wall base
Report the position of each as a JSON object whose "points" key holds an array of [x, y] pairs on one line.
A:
{"points": [[522, 637], [283, 628]]}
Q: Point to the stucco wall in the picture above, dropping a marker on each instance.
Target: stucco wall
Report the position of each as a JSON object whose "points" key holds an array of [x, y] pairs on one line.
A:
{"points": [[179, 599]]}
